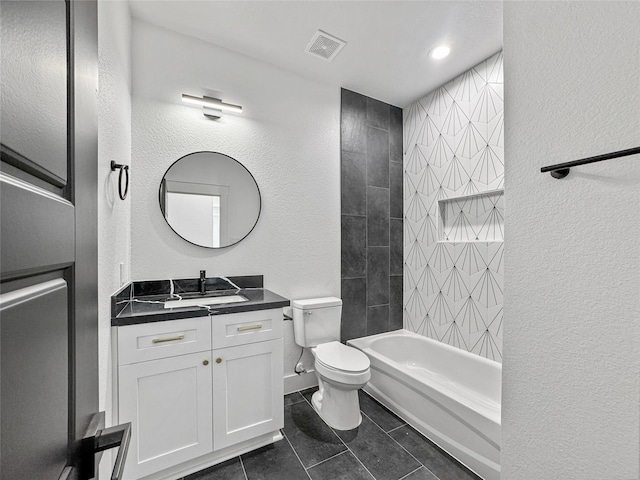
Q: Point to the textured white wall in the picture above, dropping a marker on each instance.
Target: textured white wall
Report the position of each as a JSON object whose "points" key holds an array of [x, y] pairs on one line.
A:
{"points": [[114, 215], [287, 137], [114, 143], [571, 365]]}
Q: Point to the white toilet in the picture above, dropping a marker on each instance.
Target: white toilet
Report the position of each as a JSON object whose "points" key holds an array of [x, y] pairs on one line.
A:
{"points": [[341, 370]]}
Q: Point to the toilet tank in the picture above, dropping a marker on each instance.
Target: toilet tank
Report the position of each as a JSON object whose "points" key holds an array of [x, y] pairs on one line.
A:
{"points": [[316, 320]]}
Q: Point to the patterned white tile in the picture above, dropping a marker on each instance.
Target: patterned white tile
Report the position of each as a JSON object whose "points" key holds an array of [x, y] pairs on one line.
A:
{"points": [[496, 257], [416, 304], [487, 104], [492, 228], [412, 122], [417, 206], [429, 281], [467, 85], [454, 147], [429, 131], [454, 285], [454, 336], [488, 165], [494, 69], [456, 175], [496, 131], [495, 323], [487, 346], [428, 328], [440, 151], [455, 120], [488, 289], [471, 140], [417, 159], [416, 256], [409, 282], [442, 257], [471, 316], [428, 181], [441, 309], [470, 259], [439, 102]]}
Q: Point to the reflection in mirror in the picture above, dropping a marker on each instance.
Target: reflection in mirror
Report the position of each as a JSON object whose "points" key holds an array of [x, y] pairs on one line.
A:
{"points": [[210, 199]]}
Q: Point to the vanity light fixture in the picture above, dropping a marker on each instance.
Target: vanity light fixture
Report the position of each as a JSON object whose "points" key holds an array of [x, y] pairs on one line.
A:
{"points": [[440, 51], [211, 107]]}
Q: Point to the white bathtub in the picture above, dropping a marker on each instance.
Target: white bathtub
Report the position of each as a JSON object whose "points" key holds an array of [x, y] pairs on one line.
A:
{"points": [[449, 395]]}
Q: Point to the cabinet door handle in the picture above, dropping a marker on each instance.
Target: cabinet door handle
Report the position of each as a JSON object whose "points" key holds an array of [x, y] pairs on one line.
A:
{"points": [[252, 327], [170, 339], [218, 360], [205, 362]]}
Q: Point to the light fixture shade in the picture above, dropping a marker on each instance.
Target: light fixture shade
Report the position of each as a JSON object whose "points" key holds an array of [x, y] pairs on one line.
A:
{"points": [[210, 102]]}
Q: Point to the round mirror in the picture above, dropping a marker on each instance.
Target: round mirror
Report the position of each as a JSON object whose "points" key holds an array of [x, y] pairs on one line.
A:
{"points": [[210, 199]]}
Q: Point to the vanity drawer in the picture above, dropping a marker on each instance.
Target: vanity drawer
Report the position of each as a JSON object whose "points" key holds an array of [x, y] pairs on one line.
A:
{"points": [[247, 327], [150, 341]]}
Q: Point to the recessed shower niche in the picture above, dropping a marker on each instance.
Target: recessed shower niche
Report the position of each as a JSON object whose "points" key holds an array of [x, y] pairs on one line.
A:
{"points": [[472, 218]]}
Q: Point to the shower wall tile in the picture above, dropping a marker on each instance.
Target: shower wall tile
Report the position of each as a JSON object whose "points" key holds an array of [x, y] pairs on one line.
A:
{"points": [[353, 250], [395, 135], [377, 319], [378, 114], [395, 242], [377, 217], [377, 276], [354, 310], [395, 186], [353, 184], [395, 302], [453, 272], [377, 157], [353, 123], [372, 215]]}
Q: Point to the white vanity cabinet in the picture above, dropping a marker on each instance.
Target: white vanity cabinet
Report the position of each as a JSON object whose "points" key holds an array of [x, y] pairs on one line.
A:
{"points": [[165, 390], [247, 376], [198, 390]]}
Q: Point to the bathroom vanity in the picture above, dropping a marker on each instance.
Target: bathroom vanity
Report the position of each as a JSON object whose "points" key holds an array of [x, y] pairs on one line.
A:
{"points": [[199, 384]]}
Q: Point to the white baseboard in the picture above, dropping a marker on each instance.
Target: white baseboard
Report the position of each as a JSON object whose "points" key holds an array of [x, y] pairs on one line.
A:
{"points": [[295, 382]]}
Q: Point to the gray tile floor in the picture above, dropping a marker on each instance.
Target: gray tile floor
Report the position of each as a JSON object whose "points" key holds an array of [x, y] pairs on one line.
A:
{"points": [[383, 447]]}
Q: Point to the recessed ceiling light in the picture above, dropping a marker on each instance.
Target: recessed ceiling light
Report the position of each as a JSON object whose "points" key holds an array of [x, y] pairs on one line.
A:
{"points": [[440, 51]]}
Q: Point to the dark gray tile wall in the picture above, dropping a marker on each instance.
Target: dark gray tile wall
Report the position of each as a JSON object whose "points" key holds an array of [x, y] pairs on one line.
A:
{"points": [[372, 213]]}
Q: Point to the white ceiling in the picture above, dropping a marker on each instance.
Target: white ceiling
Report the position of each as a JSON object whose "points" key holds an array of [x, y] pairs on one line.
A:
{"points": [[386, 56]]}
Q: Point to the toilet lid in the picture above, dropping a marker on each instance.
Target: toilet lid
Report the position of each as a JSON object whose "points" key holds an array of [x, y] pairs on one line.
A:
{"points": [[341, 357]]}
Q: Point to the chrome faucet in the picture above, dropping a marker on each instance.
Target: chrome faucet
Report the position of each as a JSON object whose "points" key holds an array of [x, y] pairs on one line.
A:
{"points": [[203, 282]]}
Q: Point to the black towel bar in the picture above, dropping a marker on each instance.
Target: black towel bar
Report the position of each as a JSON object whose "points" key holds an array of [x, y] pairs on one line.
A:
{"points": [[561, 170]]}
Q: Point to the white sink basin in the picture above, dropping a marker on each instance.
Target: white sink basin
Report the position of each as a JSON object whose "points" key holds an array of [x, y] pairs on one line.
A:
{"points": [[204, 301]]}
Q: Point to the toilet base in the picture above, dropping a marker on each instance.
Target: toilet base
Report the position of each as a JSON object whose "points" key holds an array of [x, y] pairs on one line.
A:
{"points": [[338, 407]]}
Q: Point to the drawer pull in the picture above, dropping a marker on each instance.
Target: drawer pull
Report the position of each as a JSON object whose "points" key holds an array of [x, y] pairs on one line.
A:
{"points": [[252, 327], [170, 339]]}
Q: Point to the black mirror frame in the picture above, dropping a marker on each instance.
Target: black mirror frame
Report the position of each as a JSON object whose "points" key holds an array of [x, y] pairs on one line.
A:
{"points": [[160, 199]]}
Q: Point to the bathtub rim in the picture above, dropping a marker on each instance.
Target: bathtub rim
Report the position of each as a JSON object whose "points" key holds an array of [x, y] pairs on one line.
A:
{"points": [[364, 342]]}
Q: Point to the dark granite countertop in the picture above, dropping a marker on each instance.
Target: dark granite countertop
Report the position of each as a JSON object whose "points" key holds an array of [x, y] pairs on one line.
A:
{"points": [[143, 302]]}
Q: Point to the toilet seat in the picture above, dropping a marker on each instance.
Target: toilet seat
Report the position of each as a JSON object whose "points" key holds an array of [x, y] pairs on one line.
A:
{"points": [[338, 356], [341, 363]]}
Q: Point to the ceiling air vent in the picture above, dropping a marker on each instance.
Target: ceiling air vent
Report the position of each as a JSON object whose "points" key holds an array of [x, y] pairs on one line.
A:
{"points": [[325, 46]]}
